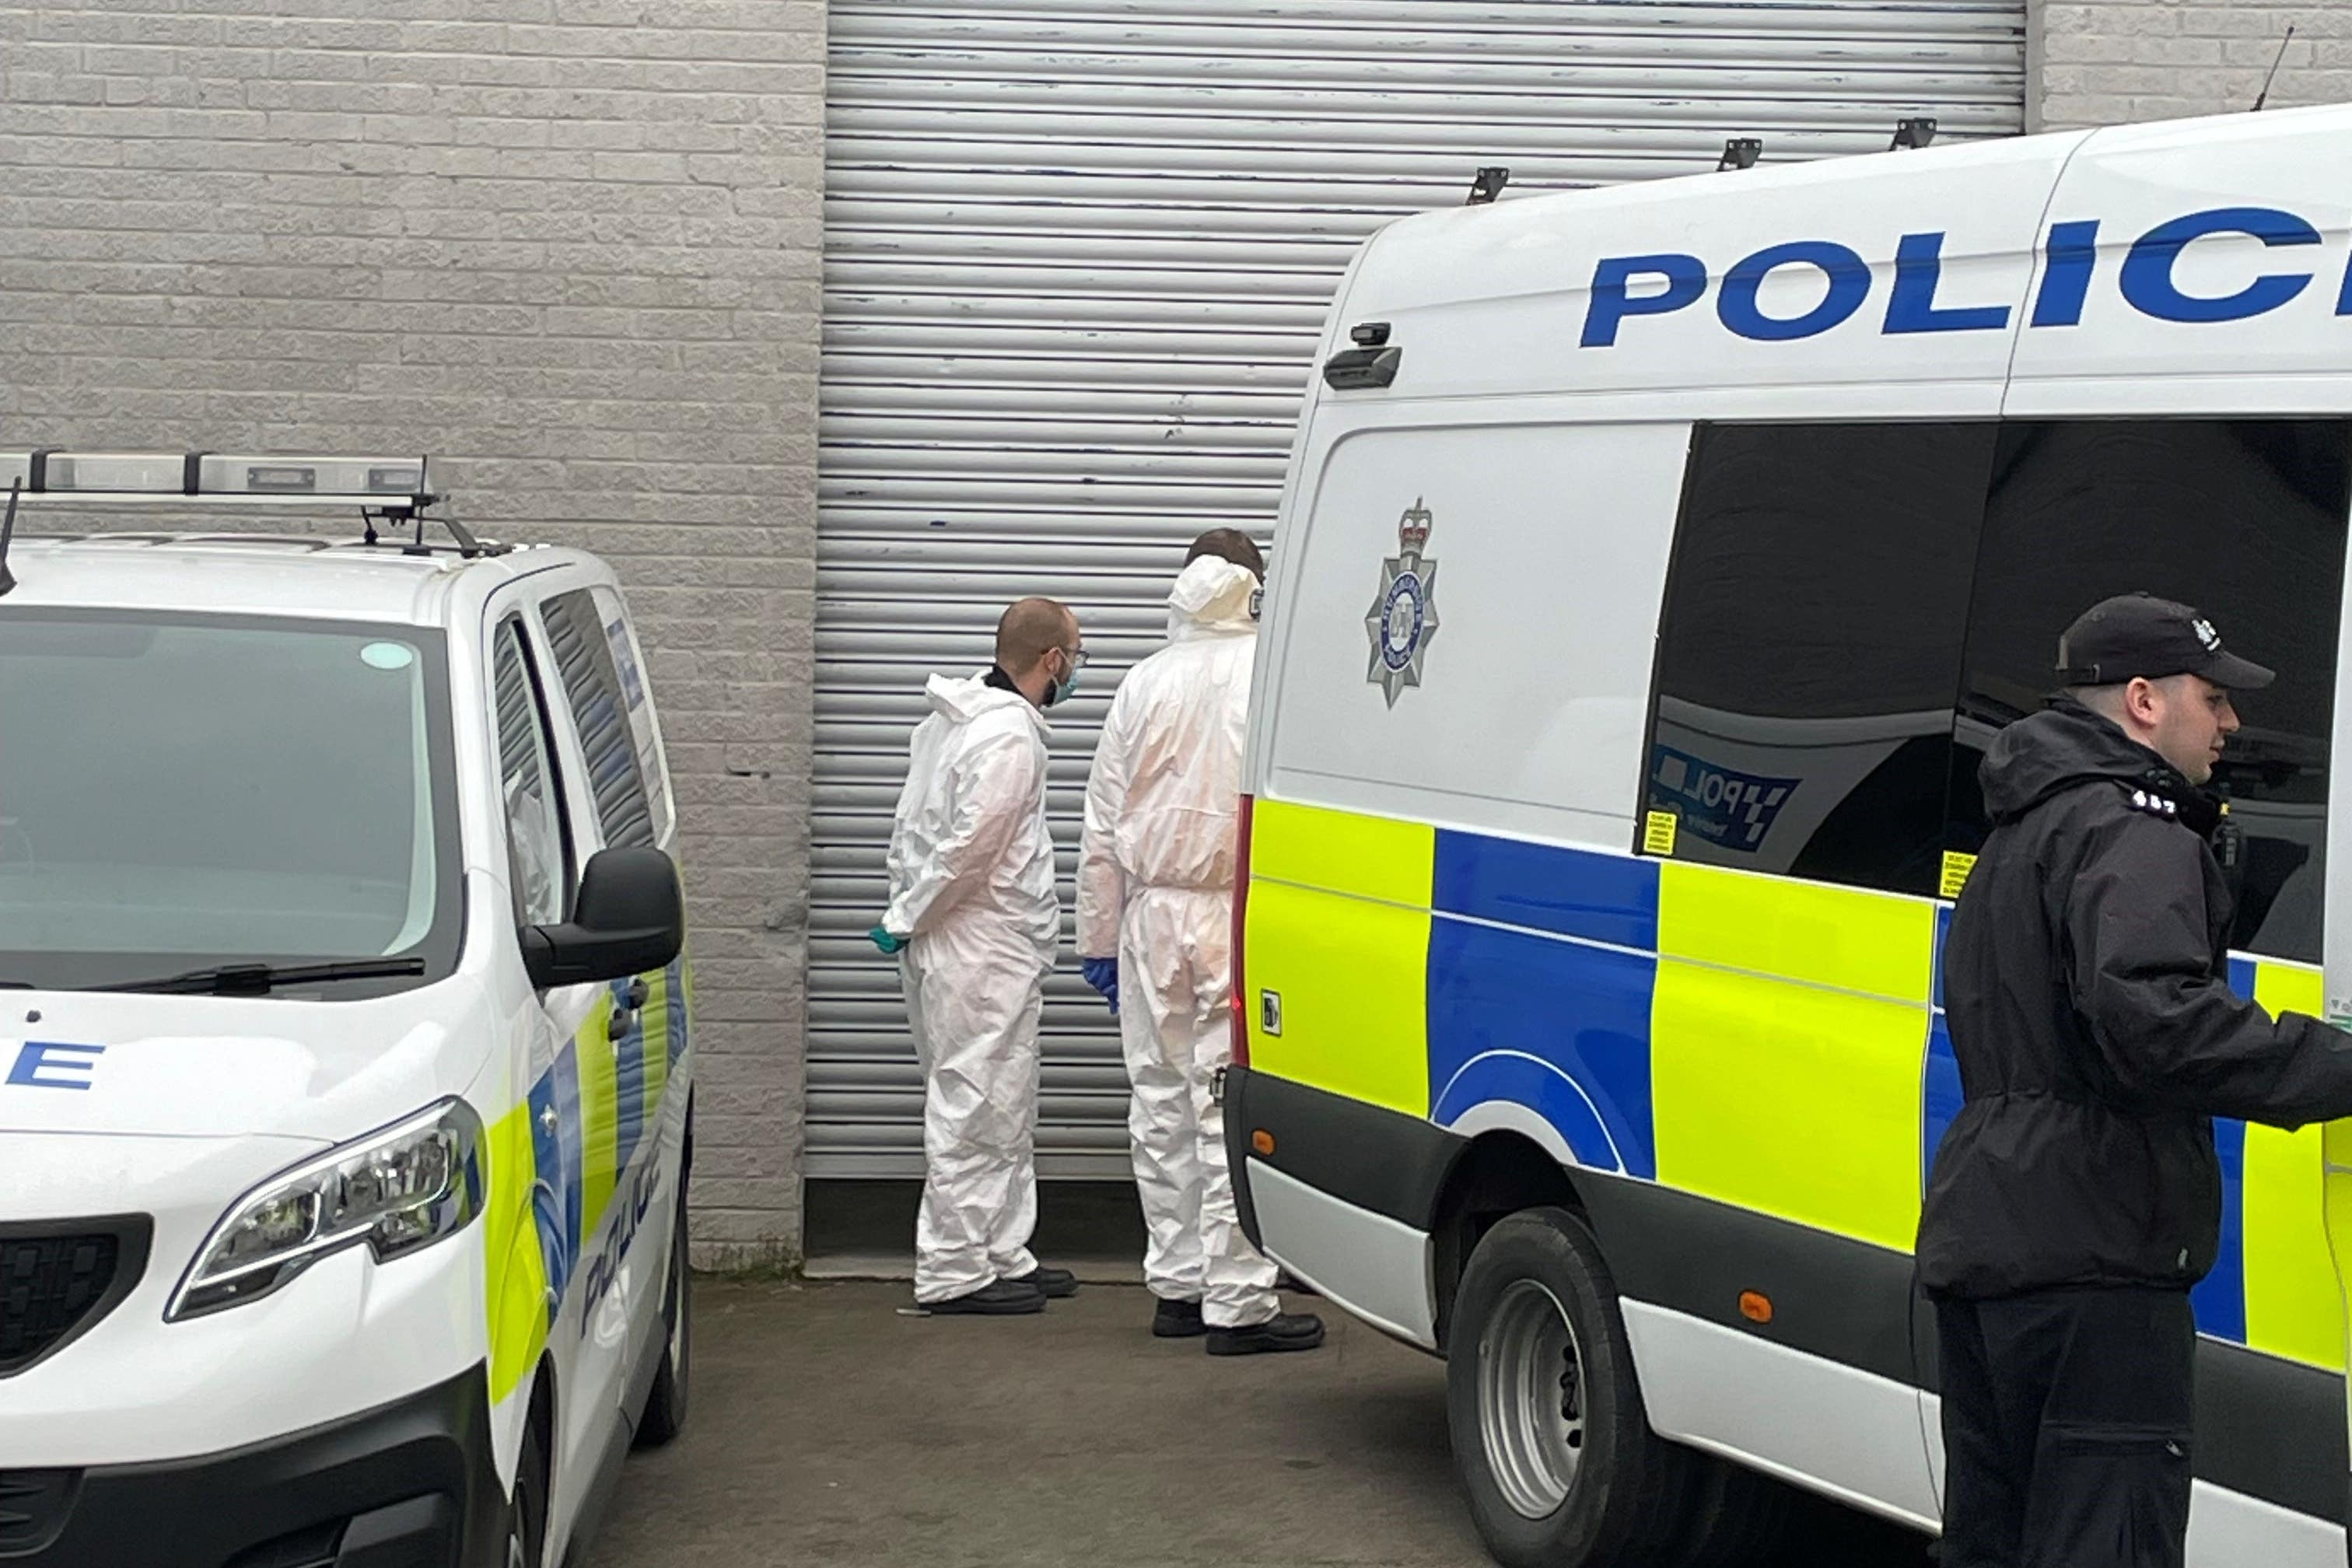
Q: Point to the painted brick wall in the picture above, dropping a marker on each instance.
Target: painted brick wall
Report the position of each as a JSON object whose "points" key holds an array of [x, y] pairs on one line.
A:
{"points": [[2104, 62], [570, 248]]}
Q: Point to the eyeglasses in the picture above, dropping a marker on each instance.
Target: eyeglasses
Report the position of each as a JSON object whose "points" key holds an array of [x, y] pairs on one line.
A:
{"points": [[1077, 657]]}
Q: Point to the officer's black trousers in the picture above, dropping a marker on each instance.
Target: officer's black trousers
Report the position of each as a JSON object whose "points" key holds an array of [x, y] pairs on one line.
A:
{"points": [[2066, 1429]]}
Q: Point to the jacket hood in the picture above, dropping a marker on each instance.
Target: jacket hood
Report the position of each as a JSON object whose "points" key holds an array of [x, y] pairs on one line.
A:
{"points": [[2063, 745], [1212, 595], [961, 698]]}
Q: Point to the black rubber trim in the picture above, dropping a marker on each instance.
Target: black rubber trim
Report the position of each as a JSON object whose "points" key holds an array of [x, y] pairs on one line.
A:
{"points": [[1844, 1300], [2270, 1428], [348, 1479], [1367, 1155], [2267, 1427]]}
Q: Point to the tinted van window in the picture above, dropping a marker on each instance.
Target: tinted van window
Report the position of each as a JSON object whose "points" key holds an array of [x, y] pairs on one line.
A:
{"points": [[1809, 648]]}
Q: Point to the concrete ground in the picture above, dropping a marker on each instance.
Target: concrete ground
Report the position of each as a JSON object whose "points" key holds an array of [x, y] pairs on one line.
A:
{"points": [[826, 1428]]}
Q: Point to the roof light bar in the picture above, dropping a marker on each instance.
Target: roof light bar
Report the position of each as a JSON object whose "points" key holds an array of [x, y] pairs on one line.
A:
{"points": [[137, 477]]}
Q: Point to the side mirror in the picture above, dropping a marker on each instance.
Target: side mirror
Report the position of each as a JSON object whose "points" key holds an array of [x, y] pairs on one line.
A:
{"points": [[630, 919]]}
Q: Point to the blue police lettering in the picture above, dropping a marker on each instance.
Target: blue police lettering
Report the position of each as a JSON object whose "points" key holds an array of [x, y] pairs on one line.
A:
{"points": [[1686, 280], [605, 1268], [1849, 284], [52, 1064], [1918, 269], [2072, 252], [2146, 281]]}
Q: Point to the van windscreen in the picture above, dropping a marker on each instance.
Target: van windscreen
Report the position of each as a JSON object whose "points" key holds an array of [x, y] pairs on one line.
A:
{"points": [[180, 791]]}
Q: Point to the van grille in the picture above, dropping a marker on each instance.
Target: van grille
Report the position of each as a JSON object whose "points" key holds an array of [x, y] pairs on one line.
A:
{"points": [[58, 1280]]}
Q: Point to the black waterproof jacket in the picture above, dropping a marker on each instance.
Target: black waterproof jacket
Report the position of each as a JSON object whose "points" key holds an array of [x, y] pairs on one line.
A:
{"points": [[2088, 982]]}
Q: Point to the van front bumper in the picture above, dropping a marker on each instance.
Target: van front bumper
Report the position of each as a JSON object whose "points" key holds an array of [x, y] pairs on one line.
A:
{"points": [[408, 1485]]}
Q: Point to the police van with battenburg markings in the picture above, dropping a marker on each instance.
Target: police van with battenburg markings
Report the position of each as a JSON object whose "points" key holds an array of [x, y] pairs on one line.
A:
{"points": [[1588, 1029], [345, 1077]]}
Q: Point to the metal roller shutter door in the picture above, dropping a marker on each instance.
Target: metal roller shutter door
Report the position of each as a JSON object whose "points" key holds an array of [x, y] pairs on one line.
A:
{"points": [[1076, 255]]}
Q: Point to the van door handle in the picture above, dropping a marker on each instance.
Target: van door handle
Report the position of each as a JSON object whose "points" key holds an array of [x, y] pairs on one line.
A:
{"points": [[625, 1017]]}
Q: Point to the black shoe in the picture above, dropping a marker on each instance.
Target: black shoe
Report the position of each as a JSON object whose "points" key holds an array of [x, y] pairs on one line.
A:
{"points": [[1282, 1332], [1054, 1283], [1177, 1321], [1004, 1298]]}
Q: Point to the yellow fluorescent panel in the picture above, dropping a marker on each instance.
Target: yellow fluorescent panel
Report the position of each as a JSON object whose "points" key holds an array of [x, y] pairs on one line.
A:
{"points": [[1790, 1100], [515, 1276], [2294, 1306], [1369, 856], [600, 1116], [1876, 942], [1352, 976]]}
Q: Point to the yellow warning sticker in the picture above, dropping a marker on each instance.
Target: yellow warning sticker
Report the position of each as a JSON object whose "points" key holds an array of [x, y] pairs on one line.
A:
{"points": [[1658, 833], [1957, 866]]}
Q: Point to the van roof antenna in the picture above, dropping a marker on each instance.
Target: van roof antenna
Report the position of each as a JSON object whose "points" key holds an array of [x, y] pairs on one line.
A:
{"points": [[8, 531], [1911, 133], [1741, 152], [2264, 96]]}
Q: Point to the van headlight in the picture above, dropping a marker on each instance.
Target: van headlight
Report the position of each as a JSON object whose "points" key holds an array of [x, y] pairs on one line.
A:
{"points": [[405, 1188]]}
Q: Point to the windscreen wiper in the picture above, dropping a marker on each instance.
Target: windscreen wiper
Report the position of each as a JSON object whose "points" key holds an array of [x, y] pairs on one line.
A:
{"points": [[259, 979]]}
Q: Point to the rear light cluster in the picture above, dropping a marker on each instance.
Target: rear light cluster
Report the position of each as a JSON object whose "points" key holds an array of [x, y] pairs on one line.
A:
{"points": [[1241, 927]]}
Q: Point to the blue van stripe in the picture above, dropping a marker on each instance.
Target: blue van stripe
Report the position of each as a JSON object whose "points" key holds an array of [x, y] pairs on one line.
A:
{"points": [[2220, 1297], [1541, 1086], [1939, 1094], [1541, 886], [1568, 1023]]}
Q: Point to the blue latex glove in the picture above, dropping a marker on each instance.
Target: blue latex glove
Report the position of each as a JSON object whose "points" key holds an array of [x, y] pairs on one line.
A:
{"points": [[1102, 973], [886, 941]]}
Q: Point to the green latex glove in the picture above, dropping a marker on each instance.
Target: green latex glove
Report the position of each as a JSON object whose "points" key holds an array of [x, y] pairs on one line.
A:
{"points": [[886, 941]]}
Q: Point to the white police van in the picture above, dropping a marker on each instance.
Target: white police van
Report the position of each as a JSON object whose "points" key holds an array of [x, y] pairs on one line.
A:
{"points": [[1587, 989], [345, 1084]]}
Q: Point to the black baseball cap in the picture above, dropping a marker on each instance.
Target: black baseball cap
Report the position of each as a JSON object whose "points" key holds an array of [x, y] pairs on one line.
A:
{"points": [[2138, 635]]}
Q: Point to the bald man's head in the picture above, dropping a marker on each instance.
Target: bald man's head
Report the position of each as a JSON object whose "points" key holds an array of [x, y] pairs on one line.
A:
{"points": [[1034, 644], [1030, 630]]}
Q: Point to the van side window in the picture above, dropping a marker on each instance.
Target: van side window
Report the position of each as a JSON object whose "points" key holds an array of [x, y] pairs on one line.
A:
{"points": [[1809, 651], [2244, 518], [592, 684], [629, 662], [539, 846]]}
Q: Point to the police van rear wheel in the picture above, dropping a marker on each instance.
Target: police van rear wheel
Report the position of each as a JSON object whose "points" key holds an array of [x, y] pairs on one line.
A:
{"points": [[1550, 1437], [665, 1413]]}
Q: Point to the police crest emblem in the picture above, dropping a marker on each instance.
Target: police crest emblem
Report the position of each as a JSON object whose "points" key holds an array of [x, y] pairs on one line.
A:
{"points": [[1403, 616]]}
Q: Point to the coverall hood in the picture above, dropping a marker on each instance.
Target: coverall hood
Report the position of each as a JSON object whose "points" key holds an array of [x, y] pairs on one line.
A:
{"points": [[1212, 597]]}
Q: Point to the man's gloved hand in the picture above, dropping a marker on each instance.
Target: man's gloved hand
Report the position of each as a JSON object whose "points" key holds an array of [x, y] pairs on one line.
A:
{"points": [[1102, 973], [886, 941]]}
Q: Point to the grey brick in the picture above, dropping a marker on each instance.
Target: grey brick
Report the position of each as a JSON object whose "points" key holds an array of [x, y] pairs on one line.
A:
{"points": [[569, 246], [2109, 61]]}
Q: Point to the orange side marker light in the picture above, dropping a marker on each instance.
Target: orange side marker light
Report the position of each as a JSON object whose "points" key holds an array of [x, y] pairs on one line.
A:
{"points": [[1262, 1141], [1755, 1306]]}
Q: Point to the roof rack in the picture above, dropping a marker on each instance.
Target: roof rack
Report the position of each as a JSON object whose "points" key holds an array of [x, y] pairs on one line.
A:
{"points": [[387, 491]]}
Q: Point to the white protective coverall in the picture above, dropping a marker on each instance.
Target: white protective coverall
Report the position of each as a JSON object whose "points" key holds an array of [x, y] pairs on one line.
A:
{"points": [[972, 885], [1156, 886]]}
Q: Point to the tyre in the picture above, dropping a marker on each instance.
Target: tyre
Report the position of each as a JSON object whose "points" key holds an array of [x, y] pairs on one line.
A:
{"points": [[665, 1411], [526, 1517], [1551, 1443]]}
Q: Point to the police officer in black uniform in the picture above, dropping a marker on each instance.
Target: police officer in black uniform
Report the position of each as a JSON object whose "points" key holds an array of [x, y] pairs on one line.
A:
{"points": [[2077, 1197]]}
